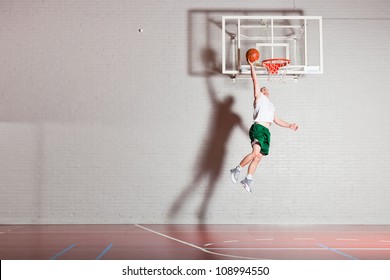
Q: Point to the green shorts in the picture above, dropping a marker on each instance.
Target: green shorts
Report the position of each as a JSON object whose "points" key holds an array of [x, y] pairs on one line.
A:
{"points": [[260, 135]]}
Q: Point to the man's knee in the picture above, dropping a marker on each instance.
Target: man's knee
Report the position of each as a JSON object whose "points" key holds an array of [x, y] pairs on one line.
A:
{"points": [[258, 157]]}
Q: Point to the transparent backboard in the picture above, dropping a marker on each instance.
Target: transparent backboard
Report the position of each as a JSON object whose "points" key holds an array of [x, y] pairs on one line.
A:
{"points": [[297, 38]]}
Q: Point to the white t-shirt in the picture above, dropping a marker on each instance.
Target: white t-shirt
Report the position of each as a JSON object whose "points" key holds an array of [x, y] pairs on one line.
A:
{"points": [[264, 110]]}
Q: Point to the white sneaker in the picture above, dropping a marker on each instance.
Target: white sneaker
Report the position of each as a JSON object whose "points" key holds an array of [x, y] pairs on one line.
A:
{"points": [[234, 174], [246, 183]]}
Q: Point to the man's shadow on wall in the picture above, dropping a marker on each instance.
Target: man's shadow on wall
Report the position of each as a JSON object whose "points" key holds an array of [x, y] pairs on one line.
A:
{"points": [[211, 160]]}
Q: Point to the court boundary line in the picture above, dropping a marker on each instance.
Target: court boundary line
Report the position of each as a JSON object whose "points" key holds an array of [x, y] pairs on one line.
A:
{"points": [[104, 251], [193, 245], [338, 252], [63, 252]]}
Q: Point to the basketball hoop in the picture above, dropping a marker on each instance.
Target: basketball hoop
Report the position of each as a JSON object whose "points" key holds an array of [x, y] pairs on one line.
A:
{"points": [[276, 68]]}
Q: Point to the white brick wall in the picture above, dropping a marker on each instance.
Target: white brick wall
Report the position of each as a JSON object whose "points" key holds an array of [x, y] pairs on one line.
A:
{"points": [[100, 123]]}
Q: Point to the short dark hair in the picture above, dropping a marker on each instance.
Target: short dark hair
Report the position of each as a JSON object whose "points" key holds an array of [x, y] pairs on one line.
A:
{"points": [[261, 90]]}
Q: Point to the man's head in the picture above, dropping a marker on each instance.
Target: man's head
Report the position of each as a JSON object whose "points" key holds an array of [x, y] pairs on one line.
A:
{"points": [[265, 91]]}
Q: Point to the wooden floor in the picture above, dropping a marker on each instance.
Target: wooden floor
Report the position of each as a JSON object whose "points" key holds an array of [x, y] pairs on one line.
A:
{"points": [[188, 242]]}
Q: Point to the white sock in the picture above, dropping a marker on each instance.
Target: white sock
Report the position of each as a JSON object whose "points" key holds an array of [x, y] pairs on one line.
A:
{"points": [[249, 176], [239, 168]]}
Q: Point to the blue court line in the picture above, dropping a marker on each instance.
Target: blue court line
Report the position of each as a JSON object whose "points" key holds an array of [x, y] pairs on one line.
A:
{"points": [[104, 252], [63, 252], [338, 252]]}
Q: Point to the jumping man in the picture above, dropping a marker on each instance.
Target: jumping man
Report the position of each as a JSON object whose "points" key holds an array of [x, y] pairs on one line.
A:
{"points": [[263, 116]]}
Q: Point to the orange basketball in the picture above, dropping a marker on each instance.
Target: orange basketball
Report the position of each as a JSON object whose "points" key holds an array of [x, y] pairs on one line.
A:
{"points": [[252, 55]]}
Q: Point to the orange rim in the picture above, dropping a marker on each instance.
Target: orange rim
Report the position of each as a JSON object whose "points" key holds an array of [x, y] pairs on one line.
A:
{"points": [[273, 64]]}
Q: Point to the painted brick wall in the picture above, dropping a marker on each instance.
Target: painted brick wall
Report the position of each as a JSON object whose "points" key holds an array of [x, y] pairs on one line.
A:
{"points": [[102, 123]]}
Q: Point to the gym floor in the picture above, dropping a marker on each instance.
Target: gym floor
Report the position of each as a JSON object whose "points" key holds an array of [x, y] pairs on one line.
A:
{"points": [[194, 242]]}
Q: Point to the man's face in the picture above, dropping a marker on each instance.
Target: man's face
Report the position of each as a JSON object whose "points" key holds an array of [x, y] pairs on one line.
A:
{"points": [[265, 91]]}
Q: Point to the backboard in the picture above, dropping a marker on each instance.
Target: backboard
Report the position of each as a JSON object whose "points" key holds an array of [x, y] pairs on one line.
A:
{"points": [[297, 38]]}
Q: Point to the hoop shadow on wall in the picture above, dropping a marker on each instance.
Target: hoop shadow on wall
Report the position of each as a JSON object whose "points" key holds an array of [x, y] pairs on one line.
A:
{"points": [[204, 34]]}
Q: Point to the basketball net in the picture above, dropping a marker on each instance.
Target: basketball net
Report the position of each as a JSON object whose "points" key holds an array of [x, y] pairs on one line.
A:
{"points": [[276, 68]]}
